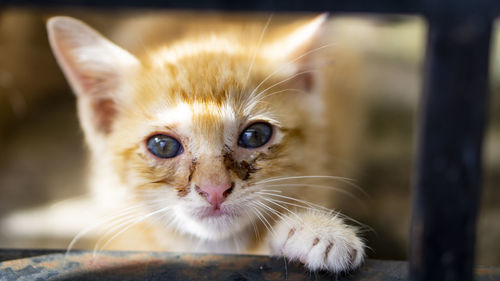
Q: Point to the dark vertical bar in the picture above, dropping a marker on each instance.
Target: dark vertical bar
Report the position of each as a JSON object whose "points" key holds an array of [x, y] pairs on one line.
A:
{"points": [[447, 181]]}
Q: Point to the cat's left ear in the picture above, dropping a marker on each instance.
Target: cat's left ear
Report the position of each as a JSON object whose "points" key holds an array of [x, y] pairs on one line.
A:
{"points": [[296, 50], [94, 67]]}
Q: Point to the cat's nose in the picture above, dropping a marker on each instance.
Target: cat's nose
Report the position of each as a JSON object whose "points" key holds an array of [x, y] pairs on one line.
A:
{"points": [[215, 195]]}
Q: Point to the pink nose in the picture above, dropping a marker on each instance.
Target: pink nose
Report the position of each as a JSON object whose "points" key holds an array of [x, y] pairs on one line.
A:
{"points": [[215, 195]]}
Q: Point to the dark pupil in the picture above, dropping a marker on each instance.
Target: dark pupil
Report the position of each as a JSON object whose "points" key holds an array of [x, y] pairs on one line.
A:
{"points": [[256, 135], [164, 146]]}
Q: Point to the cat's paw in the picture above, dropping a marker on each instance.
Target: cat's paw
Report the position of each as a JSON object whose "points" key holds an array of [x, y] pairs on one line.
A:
{"points": [[319, 241]]}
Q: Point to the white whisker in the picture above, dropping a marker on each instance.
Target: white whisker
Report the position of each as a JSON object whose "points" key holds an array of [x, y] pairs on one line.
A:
{"points": [[260, 98], [345, 180], [307, 207], [275, 212], [315, 186], [287, 64], [309, 204], [314, 207], [256, 233], [303, 177], [136, 221], [258, 47], [284, 80], [263, 219], [115, 226], [86, 230], [273, 201], [271, 190]]}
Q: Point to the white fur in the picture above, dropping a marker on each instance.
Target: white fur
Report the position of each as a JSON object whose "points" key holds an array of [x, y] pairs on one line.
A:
{"points": [[308, 239]]}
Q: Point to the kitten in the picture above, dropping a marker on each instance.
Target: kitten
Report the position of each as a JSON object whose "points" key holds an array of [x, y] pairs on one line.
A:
{"points": [[199, 141]]}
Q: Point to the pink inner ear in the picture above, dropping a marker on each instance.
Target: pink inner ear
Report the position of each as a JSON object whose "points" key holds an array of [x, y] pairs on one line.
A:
{"points": [[303, 82], [104, 112], [102, 105], [93, 65], [306, 81], [86, 82]]}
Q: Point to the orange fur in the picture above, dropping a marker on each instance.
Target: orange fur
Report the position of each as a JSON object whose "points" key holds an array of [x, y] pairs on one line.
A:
{"points": [[203, 90]]}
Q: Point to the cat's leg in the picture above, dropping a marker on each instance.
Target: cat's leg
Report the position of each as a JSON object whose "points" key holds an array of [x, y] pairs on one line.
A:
{"points": [[320, 241]]}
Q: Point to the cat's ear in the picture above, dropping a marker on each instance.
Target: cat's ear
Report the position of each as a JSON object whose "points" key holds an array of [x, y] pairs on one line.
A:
{"points": [[93, 66], [298, 38], [296, 49]]}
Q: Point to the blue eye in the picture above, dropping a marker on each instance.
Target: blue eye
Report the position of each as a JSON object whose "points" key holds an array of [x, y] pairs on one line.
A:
{"points": [[164, 146], [255, 135]]}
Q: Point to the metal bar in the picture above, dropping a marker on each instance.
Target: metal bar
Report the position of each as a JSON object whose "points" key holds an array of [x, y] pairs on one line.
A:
{"points": [[486, 8], [448, 167]]}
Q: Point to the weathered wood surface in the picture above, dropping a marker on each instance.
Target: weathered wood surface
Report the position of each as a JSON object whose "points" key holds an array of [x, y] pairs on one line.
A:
{"points": [[110, 265]]}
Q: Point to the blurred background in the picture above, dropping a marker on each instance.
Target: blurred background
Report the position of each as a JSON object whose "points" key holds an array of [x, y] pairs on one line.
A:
{"points": [[42, 155]]}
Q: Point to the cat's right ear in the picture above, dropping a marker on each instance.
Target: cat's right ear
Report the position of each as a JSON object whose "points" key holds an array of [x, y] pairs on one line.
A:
{"points": [[94, 67]]}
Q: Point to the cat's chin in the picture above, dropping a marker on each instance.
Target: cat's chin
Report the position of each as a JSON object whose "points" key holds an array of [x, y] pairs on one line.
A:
{"points": [[212, 224]]}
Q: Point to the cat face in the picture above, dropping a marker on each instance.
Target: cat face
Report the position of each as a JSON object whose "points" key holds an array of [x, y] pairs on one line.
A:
{"points": [[193, 130]]}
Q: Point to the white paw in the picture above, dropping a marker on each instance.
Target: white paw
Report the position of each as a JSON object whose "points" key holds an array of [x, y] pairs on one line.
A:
{"points": [[319, 241]]}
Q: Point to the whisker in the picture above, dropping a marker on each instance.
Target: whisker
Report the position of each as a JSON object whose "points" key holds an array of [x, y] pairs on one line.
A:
{"points": [[258, 47], [272, 190], [259, 216], [260, 98], [275, 212], [303, 177], [289, 63], [267, 211], [321, 209], [316, 186], [285, 80], [348, 181], [264, 220], [273, 201], [118, 224], [313, 207], [256, 233], [142, 218], [310, 204], [307, 207], [86, 230]]}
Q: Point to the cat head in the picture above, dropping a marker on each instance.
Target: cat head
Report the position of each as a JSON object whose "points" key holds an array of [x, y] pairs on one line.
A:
{"points": [[195, 128]]}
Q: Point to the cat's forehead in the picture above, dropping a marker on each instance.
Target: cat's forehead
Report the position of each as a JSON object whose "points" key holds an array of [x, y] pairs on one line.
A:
{"points": [[175, 53], [207, 114], [205, 82]]}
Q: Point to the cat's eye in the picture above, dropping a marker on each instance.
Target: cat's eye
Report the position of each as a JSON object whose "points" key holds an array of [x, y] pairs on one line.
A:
{"points": [[255, 135], [164, 146]]}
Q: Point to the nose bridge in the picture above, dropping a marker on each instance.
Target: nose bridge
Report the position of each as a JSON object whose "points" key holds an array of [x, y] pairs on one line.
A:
{"points": [[209, 127], [210, 171], [212, 180]]}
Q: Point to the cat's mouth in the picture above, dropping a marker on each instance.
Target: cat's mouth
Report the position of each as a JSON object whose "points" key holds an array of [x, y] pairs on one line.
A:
{"points": [[212, 212]]}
